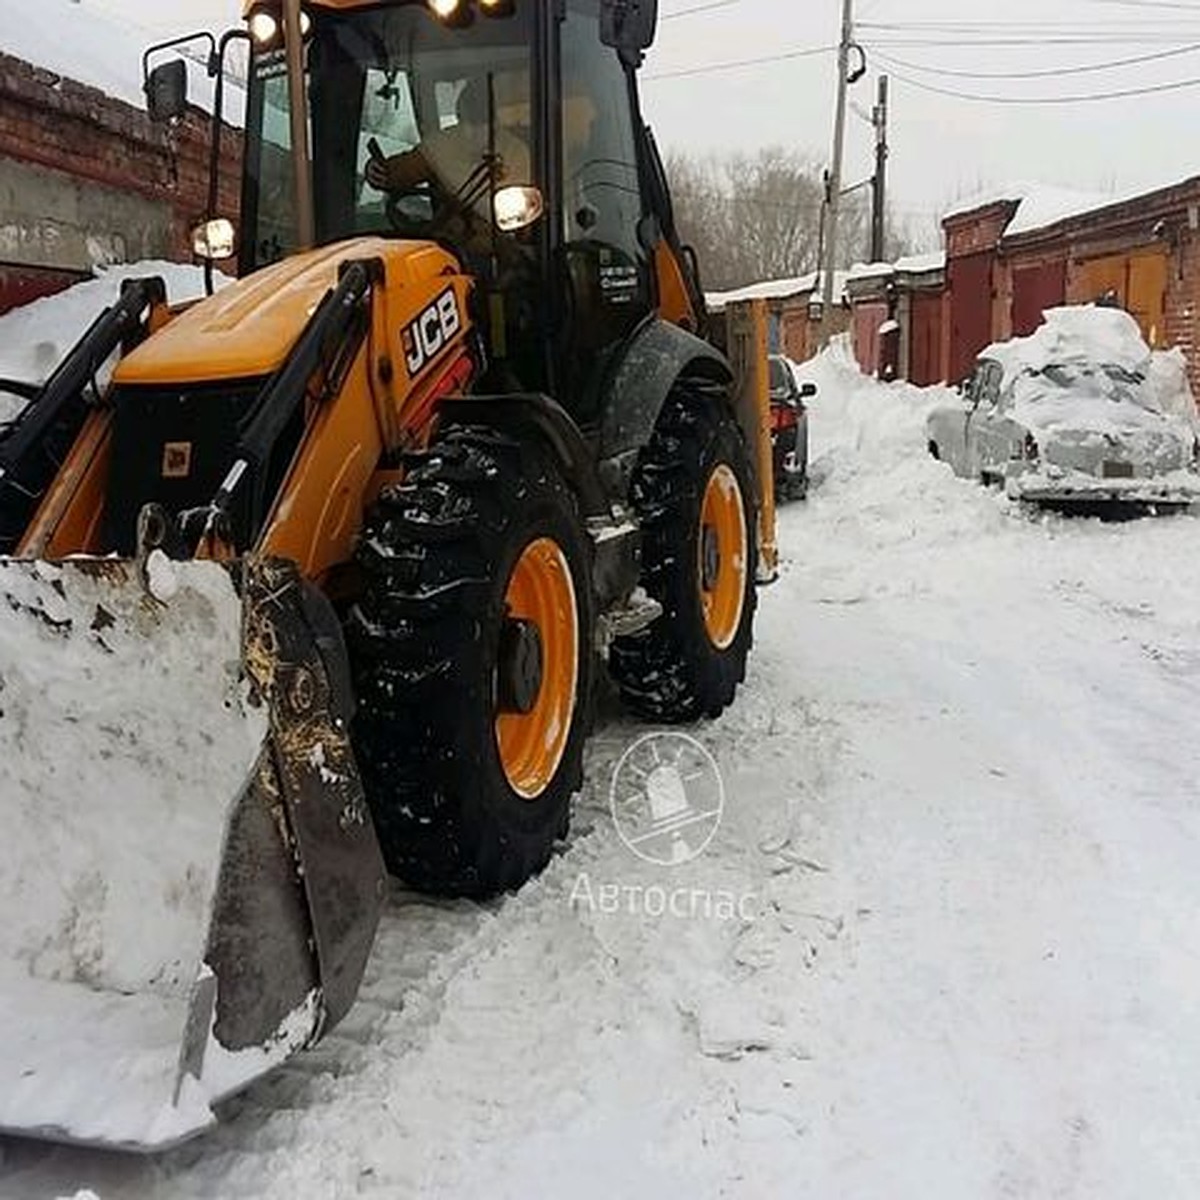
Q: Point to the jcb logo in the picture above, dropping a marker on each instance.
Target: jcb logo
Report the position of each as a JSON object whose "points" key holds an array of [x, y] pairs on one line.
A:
{"points": [[431, 332]]}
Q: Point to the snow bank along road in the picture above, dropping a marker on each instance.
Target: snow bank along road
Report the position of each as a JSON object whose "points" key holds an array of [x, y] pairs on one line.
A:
{"points": [[963, 817]]}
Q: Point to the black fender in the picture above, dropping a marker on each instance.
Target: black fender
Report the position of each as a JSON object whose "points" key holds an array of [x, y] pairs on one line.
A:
{"points": [[648, 366], [532, 415]]}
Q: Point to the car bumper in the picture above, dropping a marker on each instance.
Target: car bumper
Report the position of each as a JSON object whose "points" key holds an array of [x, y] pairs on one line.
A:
{"points": [[1181, 487]]}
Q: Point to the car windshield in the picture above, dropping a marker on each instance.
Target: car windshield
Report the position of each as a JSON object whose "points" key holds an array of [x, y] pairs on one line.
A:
{"points": [[779, 376], [1106, 381], [384, 82]]}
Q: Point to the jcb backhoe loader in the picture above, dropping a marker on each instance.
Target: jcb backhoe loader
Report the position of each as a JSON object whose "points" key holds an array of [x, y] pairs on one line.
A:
{"points": [[314, 584]]}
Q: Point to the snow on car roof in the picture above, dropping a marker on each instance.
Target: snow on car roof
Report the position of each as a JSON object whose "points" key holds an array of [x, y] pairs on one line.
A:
{"points": [[1075, 335]]}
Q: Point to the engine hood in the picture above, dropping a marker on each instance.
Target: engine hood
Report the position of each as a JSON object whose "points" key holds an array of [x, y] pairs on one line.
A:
{"points": [[246, 330]]}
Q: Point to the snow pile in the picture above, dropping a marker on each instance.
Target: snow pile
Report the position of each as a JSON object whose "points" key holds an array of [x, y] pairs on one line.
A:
{"points": [[1169, 378], [883, 424], [127, 739], [870, 462], [35, 337]]}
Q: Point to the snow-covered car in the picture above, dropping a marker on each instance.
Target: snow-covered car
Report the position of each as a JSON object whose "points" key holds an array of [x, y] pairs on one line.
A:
{"points": [[789, 429], [1080, 413]]}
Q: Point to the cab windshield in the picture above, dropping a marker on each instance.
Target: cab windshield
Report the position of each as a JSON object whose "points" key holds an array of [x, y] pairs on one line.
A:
{"points": [[427, 101]]}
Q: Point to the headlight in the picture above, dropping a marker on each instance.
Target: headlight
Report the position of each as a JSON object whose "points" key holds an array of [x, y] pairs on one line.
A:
{"points": [[214, 239], [518, 207], [445, 9], [264, 27]]}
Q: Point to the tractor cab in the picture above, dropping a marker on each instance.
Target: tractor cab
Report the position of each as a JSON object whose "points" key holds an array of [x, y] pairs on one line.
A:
{"points": [[507, 131]]}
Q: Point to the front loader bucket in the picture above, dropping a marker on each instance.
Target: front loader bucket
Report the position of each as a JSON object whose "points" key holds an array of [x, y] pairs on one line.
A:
{"points": [[189, 880]]}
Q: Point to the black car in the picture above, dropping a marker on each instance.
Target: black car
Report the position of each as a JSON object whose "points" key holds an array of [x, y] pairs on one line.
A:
{"points": [[789, 430]]}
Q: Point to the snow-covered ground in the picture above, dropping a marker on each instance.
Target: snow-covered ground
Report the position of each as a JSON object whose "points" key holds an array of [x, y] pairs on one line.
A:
{"points": [[962, 834]]}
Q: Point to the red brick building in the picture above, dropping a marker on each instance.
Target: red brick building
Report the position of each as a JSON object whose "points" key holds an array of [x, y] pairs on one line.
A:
{"points": [[795, 308], [86, 179], [911, 292], [1008, 260]]}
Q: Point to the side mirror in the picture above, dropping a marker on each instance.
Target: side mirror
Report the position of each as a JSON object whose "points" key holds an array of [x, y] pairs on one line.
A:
{"points": [[808, 391], [166, 91], [628, 25]]}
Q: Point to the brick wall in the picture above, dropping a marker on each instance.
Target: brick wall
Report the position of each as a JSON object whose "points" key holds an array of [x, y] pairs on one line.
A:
{"points": [[1183, 304], [1163, 224], [85, 177], [978, 231]]}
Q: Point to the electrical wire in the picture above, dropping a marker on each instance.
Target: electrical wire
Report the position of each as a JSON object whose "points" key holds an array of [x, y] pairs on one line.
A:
{"points": [[1120, 94], [738, 64], [1175, 5], [1124, 39], [1030, 27], [699, 8], [1054, 72]]}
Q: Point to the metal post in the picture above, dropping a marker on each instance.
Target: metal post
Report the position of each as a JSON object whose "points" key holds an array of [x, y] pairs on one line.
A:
{"points": [[879, 204], [835, 173], [298, 102]]}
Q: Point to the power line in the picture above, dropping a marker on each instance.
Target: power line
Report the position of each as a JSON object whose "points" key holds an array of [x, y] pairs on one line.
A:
{"points": [[1143, 4], [738, 64], [1115, 27], [699, 8], [1054, 72], [1034, 100], [995, 33], [1124, 39]]}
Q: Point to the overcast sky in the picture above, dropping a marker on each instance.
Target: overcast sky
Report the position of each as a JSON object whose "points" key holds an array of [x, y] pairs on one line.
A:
{"points": [[942, 147]]}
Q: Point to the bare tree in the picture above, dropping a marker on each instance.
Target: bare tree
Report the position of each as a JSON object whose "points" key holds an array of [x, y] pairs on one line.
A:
{"points": [[757, 217]]}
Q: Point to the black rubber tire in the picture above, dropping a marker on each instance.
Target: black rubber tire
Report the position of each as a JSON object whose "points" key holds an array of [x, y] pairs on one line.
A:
{"points": [[672, 672], [436, 557]]}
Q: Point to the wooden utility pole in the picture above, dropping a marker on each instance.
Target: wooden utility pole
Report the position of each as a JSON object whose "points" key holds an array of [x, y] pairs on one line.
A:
{"points": [[879, 191], [834, 198]]}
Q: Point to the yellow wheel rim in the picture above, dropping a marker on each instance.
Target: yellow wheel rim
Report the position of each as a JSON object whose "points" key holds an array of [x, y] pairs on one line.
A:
{"points": [[541, 592], [723, 558]]}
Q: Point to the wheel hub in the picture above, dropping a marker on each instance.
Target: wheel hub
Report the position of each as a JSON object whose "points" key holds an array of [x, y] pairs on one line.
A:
{"points": [[520, 666], [710, 557]]}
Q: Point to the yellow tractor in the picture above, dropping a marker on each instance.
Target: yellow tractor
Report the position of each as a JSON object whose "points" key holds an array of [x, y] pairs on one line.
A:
{"points": [[308, 581]]}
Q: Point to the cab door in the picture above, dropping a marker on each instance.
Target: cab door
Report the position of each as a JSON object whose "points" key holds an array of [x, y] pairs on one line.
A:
{"points": [[605, 271]]}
